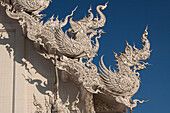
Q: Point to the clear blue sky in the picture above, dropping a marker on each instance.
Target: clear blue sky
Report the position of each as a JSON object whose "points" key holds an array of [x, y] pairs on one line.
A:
{"points": [[126, 20]]}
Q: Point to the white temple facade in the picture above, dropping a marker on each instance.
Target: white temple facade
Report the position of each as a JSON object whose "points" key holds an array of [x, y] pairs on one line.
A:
{"points": [[41, 66], [16, 91]]}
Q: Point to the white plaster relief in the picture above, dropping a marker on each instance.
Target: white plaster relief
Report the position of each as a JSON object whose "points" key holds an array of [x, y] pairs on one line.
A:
{"points": [[66, 49]]}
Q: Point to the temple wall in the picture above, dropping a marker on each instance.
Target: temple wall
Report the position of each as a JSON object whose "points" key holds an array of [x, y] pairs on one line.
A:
{"points": [[11, 84], [23, 72]]}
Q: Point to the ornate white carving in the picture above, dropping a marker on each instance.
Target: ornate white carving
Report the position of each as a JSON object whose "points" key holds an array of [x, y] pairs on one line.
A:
{"points": [[67, 49], [31, 6], [121, 84]]}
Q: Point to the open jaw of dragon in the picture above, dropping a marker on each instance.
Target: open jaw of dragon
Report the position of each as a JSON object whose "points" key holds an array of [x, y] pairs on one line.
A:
{"points": [[67, 49]]}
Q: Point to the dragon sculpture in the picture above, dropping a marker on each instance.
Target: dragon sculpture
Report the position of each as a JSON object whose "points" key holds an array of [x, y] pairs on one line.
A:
{"points": [[67, 49], [125, 83], [80, 45], [121, 84]]}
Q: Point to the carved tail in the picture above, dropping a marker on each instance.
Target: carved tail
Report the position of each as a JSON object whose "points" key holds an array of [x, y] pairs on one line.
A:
{"points": [[145, 40], [145, 52], [102, 21]]}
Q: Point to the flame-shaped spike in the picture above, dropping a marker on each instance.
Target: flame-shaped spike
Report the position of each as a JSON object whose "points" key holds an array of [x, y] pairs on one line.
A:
{"points": [[146, 30], [52, 17], [57, 18], [126, 43], [115, 54], [106, 4], [90, 8], [74, 10], [145, 34], [134, 45], [97, 17]]}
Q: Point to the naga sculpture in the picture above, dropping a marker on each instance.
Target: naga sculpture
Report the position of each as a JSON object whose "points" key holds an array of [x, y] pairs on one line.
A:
{"points": [[67, 49], [121, 84], [125, 82]]}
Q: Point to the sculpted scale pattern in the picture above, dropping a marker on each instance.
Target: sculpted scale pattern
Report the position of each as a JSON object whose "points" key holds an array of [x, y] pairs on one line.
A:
{"points": [[67, 49]]}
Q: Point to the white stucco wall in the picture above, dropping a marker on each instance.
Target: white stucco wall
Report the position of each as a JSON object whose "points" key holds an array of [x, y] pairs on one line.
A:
{"points": [[21, 76], [23, 72]]}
